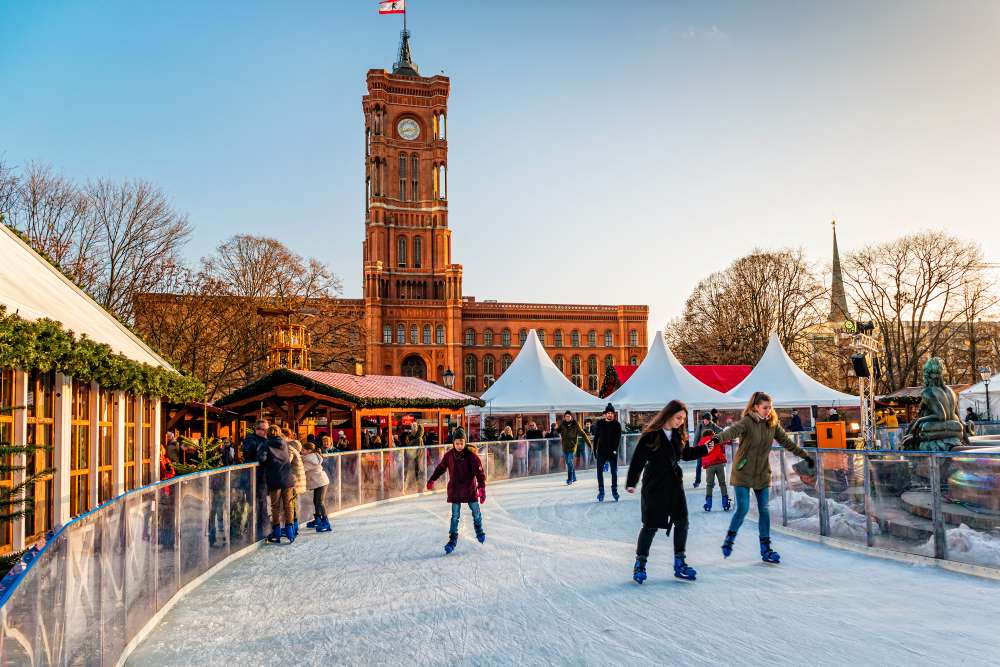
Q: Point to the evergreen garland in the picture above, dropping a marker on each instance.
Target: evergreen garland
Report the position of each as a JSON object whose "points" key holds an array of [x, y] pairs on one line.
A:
{"points": [[13, 500], [44, 345]]}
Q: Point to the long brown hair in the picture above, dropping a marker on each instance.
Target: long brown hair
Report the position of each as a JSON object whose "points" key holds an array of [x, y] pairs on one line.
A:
{"points": [[755, 400], [669, 410]]}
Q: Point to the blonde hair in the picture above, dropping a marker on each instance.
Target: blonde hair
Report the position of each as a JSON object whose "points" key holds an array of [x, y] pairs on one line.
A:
{"points": [[755, 400], [273, 431]]}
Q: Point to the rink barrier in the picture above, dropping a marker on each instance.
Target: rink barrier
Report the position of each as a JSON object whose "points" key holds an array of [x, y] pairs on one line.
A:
{"points": [[103, 579]]}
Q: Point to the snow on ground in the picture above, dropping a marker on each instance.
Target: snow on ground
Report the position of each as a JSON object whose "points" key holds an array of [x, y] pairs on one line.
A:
{"points": [[552, 586]]}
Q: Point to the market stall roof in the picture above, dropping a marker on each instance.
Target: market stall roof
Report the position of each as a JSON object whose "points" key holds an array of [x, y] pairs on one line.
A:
{"points": [[975, 397], [358, 391], [912, 394], [33, 289], [533, 385], [661, 378], [788, 385]]}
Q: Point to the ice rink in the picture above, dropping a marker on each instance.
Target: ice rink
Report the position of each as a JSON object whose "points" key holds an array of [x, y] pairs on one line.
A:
{"points": [[552, 585]]}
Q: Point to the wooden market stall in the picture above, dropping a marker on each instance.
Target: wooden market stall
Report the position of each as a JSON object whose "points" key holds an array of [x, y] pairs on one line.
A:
{"points": [[320, 403]]}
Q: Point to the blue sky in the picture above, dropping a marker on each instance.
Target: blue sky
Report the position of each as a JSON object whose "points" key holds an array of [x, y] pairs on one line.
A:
{"points": [[600, 151]]}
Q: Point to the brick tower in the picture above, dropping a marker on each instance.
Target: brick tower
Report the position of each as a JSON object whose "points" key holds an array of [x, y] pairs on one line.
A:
{"points": [[412, 291]]}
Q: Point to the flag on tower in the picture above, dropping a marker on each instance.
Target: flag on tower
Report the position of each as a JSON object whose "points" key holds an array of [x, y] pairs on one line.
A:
{"points": [[392, 7]]}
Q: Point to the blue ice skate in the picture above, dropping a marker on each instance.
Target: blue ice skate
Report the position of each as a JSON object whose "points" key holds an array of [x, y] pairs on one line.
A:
{"points": [[727, 544], [682, 570], [767, 554], [708, 504], [452, 543], [480, 534], [639, 572], [600, 496], [726, 504]]}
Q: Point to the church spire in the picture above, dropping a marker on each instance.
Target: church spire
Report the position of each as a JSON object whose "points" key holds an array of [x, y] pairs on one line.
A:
{"points": [[404, 64], [838, 298]]}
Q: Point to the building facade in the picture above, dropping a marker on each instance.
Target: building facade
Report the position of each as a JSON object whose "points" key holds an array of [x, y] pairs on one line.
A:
{"points": [[418, 321]]}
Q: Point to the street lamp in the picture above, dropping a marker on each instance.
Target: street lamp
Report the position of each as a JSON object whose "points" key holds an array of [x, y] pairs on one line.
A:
{"points": [[986, 373], [449, 379]]}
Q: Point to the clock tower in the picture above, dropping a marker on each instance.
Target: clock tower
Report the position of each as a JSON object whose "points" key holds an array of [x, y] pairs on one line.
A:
{"points": [[412, 290]]}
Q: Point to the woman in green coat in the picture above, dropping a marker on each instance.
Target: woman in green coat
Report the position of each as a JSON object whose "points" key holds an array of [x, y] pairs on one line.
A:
{"points": [[752, 468]]}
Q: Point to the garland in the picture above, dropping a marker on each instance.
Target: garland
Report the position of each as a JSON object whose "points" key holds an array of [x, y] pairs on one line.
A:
{"points": [[44, 345]]}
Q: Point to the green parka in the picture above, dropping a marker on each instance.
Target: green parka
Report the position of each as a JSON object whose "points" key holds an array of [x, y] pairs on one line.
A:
{"points": [[755, 436], [570, 433]]}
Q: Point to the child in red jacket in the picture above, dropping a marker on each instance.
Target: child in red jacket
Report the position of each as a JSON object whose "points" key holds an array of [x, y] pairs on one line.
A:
{"points": [[466, 484], [715, 468]]}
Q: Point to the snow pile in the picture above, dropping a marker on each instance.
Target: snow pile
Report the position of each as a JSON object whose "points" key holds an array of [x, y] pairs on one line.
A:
{"points": [[803, 514], [967, 545]]}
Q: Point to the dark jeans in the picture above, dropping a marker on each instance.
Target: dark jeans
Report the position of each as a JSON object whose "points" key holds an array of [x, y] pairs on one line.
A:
{"points": [[743, 506], [697, 471], [319, 509], [456, 513], [570, 470], [646, 538], [613, 466]]}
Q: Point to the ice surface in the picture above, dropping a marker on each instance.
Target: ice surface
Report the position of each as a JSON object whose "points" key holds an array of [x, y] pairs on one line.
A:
{"points": [[552, 586]]}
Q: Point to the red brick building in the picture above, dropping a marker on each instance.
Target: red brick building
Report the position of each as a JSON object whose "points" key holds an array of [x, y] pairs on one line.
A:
{"points": [[417, 320]]}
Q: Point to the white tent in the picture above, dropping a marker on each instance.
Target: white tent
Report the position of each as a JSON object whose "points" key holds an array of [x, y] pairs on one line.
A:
{"points": [[533, 385], [975, 397], [32, 288], [660, 378], [787, 384]]}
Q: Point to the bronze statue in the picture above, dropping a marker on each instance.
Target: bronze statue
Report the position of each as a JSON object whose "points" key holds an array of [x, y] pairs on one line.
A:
{"points": [[939, 427]]}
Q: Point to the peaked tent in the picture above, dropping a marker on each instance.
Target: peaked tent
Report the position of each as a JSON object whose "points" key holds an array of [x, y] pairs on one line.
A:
{"points": [[975, 397], [661, 378], [533, 385], [787, 384]]}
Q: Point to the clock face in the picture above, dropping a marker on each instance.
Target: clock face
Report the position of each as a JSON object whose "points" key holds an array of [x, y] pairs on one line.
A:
{"points": [[408, 129]]}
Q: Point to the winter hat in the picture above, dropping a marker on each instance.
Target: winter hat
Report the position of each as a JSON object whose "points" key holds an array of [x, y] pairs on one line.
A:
{"points": [[609, 408], [340, 434], [458, 434], [706, 415]]}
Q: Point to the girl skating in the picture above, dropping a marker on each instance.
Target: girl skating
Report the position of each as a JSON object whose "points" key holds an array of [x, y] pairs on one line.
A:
{"points": [[752, 468], [466, 484], [663, 444]]}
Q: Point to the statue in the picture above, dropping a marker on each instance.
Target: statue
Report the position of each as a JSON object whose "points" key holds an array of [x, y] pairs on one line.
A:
{"points": [[939, 427]]}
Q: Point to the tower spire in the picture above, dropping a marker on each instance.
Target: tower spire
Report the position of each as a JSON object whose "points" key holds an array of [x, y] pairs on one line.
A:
{"points": [[838, 298], [404, 64]]}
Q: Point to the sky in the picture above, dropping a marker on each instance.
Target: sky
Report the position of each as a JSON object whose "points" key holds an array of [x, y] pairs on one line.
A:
{"points": [[600, 152]]}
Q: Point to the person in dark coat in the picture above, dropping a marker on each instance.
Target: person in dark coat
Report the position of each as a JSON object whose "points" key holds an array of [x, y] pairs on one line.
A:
{"points": [[276, 462], [570, 431], [533, 432], [248, 450], [607, 438], [227, 451], [795, 425], [661, 448], [466, 484]]}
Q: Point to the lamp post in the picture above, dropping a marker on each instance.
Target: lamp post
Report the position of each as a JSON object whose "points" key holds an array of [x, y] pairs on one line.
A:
{"points": [[449, 379], [985, 373]]}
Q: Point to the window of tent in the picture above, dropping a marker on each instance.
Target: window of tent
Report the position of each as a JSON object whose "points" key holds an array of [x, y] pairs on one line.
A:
{"points": [[387, 333], [40, 417], [440, 335], [505, 337], [148, 412], [470, 337], [106, 445], [609, 339], [400, 334], [557, 338], [79, 449], [591, 338], [488, 338], [131, 476]]}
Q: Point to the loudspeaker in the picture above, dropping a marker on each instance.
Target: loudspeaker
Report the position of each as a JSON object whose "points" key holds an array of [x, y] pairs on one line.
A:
{"points": [[860, 365], [876, 368]]}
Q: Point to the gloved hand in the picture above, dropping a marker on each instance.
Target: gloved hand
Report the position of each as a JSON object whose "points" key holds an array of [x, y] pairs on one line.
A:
{"points": [[810, 460], [430, 486], [482, 496]]}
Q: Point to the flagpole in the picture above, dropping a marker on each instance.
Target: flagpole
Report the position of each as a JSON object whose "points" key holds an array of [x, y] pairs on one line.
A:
{"points": [[404, 18]]}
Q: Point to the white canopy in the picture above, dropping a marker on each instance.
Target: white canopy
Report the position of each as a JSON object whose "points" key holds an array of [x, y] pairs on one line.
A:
{"points": [[533, 385], [661, 378], [787, 384], [975, 397], [32, 288]]}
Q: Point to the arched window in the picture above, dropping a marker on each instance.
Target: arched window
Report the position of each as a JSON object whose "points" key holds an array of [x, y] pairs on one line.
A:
{"points": [[522, 336], [489, 371], [401, 334], [401, 251], [440, 335], [505, 362], [402, 176], [418, 251], [414, 334], [560, 363], [470, 337], [633, 360], [541, 335], [488, 341], [592, 372], [414, 177], [591, 338], [633, 338], [387, 333], [505, 337], [557, 338], [575, 338], [470, 373], [427, 334], [575, 371], [609, 361], [609, 339]]}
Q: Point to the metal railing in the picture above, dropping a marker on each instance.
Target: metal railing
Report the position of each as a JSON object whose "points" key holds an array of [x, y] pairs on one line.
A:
{"points": [[105, 576]]}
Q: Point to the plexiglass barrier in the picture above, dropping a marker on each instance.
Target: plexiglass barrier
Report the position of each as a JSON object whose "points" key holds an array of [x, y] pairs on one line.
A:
{"points": [[100, 579]]}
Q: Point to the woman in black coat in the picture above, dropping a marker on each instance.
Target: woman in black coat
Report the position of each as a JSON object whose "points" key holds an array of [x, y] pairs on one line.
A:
{"points": [[663, 444]]}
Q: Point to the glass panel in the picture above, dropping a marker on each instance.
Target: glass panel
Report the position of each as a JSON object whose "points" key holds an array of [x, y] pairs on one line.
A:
{"points": [[240, 508], [166, 545], [557, 462], [24, 629], [371, 485], [802, 495], [393, 471], [970, 503], [218, 518], [193, 528], [111, 526], [140, 584], [83, 591], [415, 468], [900, 489], [330, 497], [350, 471], [538, 453]]}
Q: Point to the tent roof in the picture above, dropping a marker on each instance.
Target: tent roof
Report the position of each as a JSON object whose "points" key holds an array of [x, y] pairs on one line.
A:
{"points": [[980, 387], [787, 384], [661, 378], [722, 377], [533, 384], [34, 289]]}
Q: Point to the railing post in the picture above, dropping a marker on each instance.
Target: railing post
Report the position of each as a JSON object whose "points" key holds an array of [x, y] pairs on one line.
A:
{"points": [[784, 488], [548, 456], [227, 516], [359, 473], [507, 460], [937, 515], [824, 511], [340, 483], [867, 486], [381, 475], [426, 452], [486, 456]]}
